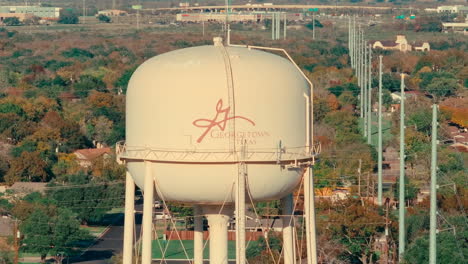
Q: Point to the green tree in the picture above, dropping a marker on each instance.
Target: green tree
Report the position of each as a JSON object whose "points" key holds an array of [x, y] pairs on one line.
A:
{"points": [[442, 87], [411, 191], [54, 232], [68, 16], [12, 21], [89, 202], [104, 18], [123, 80], [88, 83], [451, 248]]}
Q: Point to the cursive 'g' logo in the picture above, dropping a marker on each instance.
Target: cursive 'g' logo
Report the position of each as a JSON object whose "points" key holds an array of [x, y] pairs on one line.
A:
{"points": [[222, 114]]}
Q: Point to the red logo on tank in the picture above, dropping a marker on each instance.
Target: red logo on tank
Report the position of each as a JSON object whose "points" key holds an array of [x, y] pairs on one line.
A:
{"points": [[219, 120]]}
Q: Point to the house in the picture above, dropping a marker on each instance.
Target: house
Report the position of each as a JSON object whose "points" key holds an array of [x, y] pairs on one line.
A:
{"points": [[113, 12], [401, 44], [85, 157], [23, 188], [253, 224]]}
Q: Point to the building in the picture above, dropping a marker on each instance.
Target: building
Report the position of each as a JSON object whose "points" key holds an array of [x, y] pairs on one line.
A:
{"points": [[401, 44], [85, 157], [455, 9], [21, 17], [456, 27], [233, 17], [38, 11], [113, 12]]}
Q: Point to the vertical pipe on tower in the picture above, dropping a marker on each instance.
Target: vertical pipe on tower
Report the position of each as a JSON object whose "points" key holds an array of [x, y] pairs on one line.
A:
{"points": [[147, 215], [309, 211], [240, 208], [288, 229], [198, 235], [129, 219]]}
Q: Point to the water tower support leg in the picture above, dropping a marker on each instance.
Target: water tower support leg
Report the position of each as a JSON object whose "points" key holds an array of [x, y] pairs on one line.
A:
{"points": [[218, 222], [198, 235], [309, 216], [288, 229], [129, 219], [147, 215]]}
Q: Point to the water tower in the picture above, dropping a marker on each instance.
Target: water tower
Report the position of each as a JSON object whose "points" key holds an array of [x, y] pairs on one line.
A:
{"points": [[218, 126]]}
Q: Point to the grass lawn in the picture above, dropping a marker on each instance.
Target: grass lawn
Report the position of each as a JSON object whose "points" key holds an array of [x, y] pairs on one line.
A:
{"points": [[175, 250], [386, 129], [94, 230]]}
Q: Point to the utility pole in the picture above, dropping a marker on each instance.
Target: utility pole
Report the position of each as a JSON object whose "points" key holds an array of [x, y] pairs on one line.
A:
{"points": [[273, 25], [364, 87], [313, 25], [354, 41], [16, 241], [369, 97], [401, 200], [359, 179], [358, 72], [350, 43], [380, 150], [84, 11], [284, 25], [433, 210]]}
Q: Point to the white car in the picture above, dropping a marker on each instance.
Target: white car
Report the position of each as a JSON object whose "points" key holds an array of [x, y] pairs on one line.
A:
{"points": [[157, 205]]}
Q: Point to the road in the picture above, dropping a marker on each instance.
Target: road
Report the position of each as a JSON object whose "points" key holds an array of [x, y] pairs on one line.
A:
{"points": [[110, 243]]}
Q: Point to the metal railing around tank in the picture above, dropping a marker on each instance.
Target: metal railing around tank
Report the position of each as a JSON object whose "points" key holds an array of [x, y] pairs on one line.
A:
{"points": [[289, 156]]}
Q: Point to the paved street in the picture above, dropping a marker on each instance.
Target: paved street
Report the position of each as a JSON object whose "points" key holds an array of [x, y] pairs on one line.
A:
{"points": [[109, 244]]}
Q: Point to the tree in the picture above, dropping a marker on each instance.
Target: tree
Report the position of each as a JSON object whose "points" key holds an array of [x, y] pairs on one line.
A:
{"points": [[89, 202], [411, 191], [441, 87], [451, 249], [28, 167], [356, 227], [123, 80], [68, 16], [12, 21], [88, 83], [104, 18], [54, 231]]}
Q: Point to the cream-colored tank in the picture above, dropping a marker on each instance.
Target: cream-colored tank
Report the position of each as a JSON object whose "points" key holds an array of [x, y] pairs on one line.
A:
{"points": [[190, 112]]}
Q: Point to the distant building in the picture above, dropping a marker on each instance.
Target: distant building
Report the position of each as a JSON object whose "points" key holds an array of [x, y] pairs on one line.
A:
{"points": [[455, 9], [233, 17], [401, 44], [113, 12], [21, 17], [85, 157], [38, 11]]}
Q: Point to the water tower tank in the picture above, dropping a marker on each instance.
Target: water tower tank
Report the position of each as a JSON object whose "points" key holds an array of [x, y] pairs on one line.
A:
{"points": [[191, 111]]}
